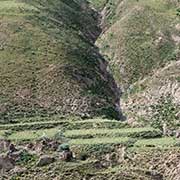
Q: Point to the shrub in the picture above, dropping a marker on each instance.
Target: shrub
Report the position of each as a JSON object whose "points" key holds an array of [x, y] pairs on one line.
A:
{"points": [[165, 111], [178, 12], [25, 158], [63, 147]]}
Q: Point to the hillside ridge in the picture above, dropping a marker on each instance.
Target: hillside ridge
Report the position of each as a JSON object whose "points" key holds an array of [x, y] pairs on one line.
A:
{"points": [[49, 64]]}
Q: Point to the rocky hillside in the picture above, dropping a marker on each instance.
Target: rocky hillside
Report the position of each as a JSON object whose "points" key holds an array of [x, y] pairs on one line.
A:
{"points": [[139, 37], [48, 62], [156, 97], [141, 42]]}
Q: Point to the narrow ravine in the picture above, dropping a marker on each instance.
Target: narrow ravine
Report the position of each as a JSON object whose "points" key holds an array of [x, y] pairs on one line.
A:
{"points": [[104, 65]]}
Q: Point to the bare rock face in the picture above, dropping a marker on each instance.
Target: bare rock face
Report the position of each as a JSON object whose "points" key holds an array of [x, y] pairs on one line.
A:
{"points": [[119, 40], [134, 53], [45, 160]]}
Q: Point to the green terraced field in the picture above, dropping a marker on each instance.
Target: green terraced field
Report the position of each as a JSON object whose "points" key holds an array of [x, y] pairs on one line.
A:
{"points": [[88, 132], [127, 132], [32, 135], [63, 123], [158, 142], [94, 141], [32, 125], [91, 131]]}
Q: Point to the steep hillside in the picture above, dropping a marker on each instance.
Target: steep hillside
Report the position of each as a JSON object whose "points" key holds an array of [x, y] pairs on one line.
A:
{"points": [[155, 98], [139, 37], [141, 41], [48, 61]]}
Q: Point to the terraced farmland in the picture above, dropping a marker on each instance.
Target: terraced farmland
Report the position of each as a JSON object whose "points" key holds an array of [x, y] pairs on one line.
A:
{"points": [[90, 140], [122, 132], [33, 135], [85, 132]]}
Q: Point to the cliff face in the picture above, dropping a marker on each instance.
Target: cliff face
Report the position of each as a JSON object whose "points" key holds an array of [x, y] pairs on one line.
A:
{"points": [[48, 61]]}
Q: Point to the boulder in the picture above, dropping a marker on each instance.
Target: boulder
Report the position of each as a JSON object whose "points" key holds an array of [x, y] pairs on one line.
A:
{"points": [[178, 134], [38, 147], [66, 155], [45, 160], [53, 145], [4, 145], [6, 163], [29, 146], [12, 148], [155, 175]]}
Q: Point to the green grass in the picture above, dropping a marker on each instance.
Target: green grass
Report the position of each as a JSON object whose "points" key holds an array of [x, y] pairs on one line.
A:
{"points": [[94, 141], [69, 123], [14, 5], [158, 142], [98, 120], [110, 132], [33, 125], [72, 119], [98, 4], [97, 123], [31, 135], [3, 133]]}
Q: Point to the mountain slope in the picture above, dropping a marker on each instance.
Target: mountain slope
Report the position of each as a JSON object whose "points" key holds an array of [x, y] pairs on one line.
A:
{"points": [[141, 42], [155, 98], [139, 37], [48, 63]]}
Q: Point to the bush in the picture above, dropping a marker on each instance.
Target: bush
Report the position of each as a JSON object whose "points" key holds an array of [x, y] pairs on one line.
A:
{"points": [[25, 158], [178, 12], [165, 111], [63, 147]]}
